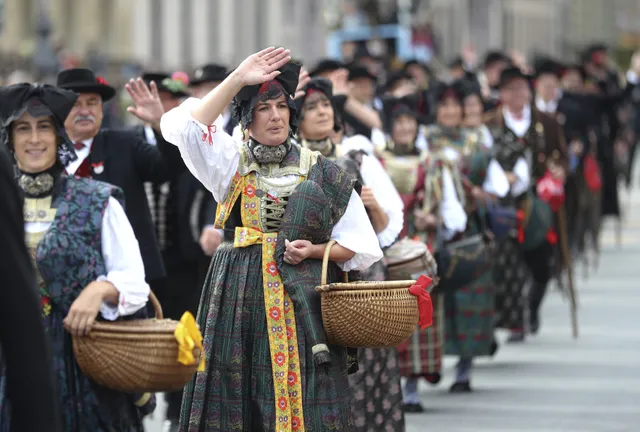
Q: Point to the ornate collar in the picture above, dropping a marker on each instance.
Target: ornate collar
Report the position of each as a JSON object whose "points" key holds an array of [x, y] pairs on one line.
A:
{"points": [[402, 149], [38, 185], [264, 154], [325, 146]]}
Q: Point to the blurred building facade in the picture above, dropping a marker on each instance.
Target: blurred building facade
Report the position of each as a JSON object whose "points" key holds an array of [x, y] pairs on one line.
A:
{"points": [[180, 34], [557, 27], [185, 33]]}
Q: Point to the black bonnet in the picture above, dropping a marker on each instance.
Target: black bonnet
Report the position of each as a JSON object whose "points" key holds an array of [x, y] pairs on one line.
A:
{"points": [[285, 83], [38, 100]]}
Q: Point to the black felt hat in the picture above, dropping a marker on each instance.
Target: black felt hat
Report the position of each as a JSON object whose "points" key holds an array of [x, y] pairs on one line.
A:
{"points": [[165, 83], [470, 87], [85, 81], [510, 74], [395, 78], [326, 65], [495, 57], [209, 73], [548, 67], [357, 71]]}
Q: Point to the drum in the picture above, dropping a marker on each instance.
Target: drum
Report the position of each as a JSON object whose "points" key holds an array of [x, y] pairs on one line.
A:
{"points": [[407, 259]]}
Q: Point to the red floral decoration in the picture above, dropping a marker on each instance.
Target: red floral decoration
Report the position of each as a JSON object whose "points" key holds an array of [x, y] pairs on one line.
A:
{"points": [[282, 403], [272, 269], [292, 378], [295, 423], [101, 81], [279, 359], [275, 313], [250, 191]]}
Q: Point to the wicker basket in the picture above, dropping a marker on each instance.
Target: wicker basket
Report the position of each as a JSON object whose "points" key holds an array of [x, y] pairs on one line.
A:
{"points": [[134, 356], [367, 314]]}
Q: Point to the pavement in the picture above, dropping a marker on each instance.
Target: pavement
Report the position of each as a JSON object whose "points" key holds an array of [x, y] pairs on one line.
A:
{"points": [[552, 382]]}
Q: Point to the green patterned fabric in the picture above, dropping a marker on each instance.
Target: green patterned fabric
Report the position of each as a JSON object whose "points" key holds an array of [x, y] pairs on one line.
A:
{"points": [[469, 315], [311, 215], [538, 221]]}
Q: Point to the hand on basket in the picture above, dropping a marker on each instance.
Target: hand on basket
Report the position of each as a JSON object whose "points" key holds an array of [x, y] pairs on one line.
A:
{"points": [[297, 251], [84, 310]]}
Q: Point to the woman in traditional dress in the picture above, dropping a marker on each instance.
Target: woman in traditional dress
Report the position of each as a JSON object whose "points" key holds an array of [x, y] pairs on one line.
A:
{"points": [[269, 365], [84, 250], [421, 356], [470, 311], [376, 388]]}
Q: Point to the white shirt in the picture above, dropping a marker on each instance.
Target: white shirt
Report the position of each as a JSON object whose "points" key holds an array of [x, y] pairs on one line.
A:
{"points": [[149, 135], [122, 259], [375, 177], [518, 126], [82, 154], [546, 107], [215, 165], [521, 169]]}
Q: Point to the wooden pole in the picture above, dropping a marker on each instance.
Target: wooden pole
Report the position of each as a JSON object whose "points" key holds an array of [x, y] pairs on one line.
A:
{"points": [[566, 257]]}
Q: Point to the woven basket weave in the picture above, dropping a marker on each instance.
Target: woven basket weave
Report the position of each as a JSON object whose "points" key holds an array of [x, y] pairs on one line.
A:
{"points": [[135, 356], [367, 314]]}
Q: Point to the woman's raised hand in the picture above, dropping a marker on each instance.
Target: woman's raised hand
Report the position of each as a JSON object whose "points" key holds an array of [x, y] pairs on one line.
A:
{"points": [[303, 80], [262, 66]]}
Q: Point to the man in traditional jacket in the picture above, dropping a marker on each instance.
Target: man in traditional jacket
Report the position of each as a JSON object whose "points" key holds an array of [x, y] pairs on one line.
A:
{"points": [[181, 208], [528, 144], [122, 157]]}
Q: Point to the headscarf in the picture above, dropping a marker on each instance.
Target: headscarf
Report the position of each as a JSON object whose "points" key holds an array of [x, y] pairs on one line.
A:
{"points": [[443, 91], [38, 100], [284, 84], [394, 107], [324, 86]]}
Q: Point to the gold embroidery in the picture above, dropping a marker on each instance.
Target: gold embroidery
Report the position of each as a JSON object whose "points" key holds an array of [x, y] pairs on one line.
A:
{"points": [[281, 323]]}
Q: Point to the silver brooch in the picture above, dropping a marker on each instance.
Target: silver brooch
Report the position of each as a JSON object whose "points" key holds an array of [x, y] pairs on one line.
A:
{"points": [[38, 185]]}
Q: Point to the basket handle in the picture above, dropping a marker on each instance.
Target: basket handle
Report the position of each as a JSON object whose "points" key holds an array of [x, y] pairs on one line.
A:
{"points": [[325, 263], [156, 305]]}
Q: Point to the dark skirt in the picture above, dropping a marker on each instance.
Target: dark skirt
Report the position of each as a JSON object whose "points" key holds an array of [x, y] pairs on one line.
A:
{"points": [[377, 392], [510, 276], [421, 355], [376, 388], [469, 322], [236, 391]]}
